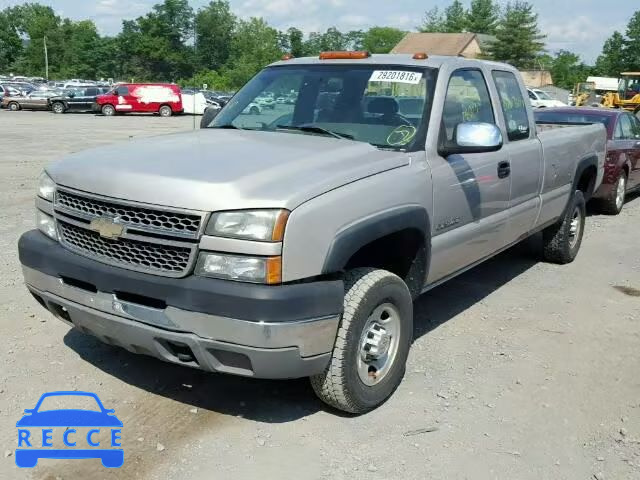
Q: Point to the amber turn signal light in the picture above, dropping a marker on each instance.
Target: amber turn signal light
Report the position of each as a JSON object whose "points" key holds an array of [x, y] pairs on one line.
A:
{"points": [[274, 271], [359, 55]]}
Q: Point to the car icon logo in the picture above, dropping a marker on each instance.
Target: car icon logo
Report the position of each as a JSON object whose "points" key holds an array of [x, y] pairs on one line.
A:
{"points": [[36, 433]]}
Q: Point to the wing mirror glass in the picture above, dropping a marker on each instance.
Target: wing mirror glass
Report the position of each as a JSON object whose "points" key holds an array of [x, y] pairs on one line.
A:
{"points": [[473, 137]]}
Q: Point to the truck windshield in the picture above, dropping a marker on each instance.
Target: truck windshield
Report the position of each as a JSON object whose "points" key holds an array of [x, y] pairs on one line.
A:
{"points": [[383, 105]]}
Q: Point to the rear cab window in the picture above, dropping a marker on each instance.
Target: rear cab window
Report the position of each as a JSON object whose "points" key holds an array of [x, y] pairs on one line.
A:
{"points": [[513, 105]]}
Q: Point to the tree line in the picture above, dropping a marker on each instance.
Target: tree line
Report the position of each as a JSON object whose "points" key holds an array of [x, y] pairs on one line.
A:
{"points": [[212, 45]]}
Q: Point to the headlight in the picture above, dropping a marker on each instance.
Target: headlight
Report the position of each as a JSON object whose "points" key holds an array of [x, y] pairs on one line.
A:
{"points": [[261, 225], [244, 269], [46, 224], [46, 187]]}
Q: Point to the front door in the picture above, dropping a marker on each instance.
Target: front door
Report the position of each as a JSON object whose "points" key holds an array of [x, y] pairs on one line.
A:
{"points": [[470, 191], [525, 155]]}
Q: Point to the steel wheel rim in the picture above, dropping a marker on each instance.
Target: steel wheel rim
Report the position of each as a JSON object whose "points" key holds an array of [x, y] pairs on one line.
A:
{"points": [[620, 192], [576, 227], [378, 346]]}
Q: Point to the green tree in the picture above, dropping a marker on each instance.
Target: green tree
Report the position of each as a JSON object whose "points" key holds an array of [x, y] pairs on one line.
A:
{"points": [[482, 16], [34, 22], [215, 25], [296, 42], [433, 21], [455, 18], [254, 45], [81, 43], [613, 60], [10, 41], [567, 69], [632, 43], [518, 38], [381, 39]]}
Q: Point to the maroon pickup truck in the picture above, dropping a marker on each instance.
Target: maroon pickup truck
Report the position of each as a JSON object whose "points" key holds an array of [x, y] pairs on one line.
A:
{"points": [[622, 167]]}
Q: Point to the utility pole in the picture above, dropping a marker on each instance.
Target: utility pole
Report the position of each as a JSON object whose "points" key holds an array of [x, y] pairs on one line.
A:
{"points": [[46, 59]]}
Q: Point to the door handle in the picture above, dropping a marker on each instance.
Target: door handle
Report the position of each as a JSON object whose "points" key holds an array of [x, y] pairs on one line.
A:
{"points": [[504, 169]]}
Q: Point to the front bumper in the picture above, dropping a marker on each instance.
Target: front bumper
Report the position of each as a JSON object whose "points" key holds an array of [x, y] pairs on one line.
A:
{"points": [[262, 331]]}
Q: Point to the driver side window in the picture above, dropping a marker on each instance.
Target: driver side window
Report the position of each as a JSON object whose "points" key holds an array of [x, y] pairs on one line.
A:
{"points": [[467, 100]]}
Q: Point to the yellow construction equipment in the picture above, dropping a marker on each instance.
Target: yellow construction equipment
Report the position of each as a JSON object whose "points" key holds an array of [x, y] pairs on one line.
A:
{"points": [[628, 94], [584, 94]]}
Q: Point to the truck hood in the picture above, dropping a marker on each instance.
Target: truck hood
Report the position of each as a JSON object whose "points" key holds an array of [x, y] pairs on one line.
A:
{"points": [[213, 169]]}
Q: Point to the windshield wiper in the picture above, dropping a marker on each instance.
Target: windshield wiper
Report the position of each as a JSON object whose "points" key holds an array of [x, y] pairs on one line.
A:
{"points": [[315, 129]]}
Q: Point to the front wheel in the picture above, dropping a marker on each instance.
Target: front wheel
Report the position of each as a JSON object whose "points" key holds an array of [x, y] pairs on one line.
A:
{"points": [[372, 343], [14, 106], [562, 240], [108, 110], [58, 107], [165, 111]]}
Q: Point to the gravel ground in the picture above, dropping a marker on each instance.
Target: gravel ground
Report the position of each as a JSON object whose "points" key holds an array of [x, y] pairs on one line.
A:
{"points": [[520, 369]]}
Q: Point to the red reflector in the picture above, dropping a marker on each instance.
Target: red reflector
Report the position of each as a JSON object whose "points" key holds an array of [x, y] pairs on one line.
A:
{"points": [[420, 56], [287, 56], [344, 55]]}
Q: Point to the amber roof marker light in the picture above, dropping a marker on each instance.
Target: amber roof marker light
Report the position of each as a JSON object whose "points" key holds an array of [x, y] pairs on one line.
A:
{"points": [[358, 55], [420, 56], [287, 56]]}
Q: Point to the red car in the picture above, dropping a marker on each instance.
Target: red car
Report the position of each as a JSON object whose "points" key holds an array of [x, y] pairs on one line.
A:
{"points": [[622, 167], [164, 99]]}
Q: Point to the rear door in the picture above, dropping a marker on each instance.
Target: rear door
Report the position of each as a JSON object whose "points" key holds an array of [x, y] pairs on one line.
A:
{"points": [[470, 191], [524, 151], [634, 150]]}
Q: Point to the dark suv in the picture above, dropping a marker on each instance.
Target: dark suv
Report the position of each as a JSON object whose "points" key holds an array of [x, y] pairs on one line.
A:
{"points": [[76, 100]]}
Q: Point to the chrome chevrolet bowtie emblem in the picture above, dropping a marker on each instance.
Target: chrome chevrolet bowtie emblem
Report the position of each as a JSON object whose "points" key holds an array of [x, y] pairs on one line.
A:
{"points": [[107, 227]]}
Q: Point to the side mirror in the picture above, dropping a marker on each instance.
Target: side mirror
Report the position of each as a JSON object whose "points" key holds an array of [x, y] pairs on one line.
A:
{"points": [[473, 137]]}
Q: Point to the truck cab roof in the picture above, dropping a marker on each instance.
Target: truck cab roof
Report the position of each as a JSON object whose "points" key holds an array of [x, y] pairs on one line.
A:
{"points": [[406, 60]]}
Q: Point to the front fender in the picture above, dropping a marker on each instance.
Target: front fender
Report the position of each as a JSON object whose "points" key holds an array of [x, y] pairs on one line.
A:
{"points": [[351, 239]]}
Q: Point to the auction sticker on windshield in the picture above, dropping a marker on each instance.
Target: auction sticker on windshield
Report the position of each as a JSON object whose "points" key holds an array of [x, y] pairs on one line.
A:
{"points": [[396, 76]]}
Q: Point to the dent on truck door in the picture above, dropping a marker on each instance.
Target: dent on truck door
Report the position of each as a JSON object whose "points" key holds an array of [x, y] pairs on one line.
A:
{"points": [[470, 199], [525, 155]]}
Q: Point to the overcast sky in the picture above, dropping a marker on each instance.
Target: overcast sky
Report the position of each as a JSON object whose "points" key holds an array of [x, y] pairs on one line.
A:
{"points": [[582, 30]]}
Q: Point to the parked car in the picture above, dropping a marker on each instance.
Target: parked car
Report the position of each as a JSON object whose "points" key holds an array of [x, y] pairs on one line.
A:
{"points": [[36, 100], [622, 168], [75, 100], [22, 87], [541, 99], [161, 98], [265, 101], [295, 249], [7, 91], [194, 103]]}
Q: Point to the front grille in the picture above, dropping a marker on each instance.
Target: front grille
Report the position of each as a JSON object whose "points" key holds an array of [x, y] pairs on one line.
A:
{"points": [[136, 255], [168, 223]]}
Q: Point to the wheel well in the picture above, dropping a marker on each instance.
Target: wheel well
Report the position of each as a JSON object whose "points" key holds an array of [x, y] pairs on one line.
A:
{"points": [[165, 105], [402, 253], [587, 181]]}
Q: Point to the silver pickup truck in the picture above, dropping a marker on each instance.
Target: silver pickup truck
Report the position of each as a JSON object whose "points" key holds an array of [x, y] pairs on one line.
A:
{"points": [[291, 242]]}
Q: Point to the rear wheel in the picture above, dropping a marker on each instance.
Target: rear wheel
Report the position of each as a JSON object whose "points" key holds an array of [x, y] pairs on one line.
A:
{"points": [[108, 110], [372, 343], [254, 111], [58, 107], [562, 240], [165, 111], [612, 205], [14, 106]]}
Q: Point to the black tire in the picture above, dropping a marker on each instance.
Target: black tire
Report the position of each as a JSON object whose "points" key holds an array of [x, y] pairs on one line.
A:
{"points": [[108, 110], [58, 107], [207, 117], [612, 204], [366, 290], [165, 111], [254, 111], [13, 106], [561, 241]]}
